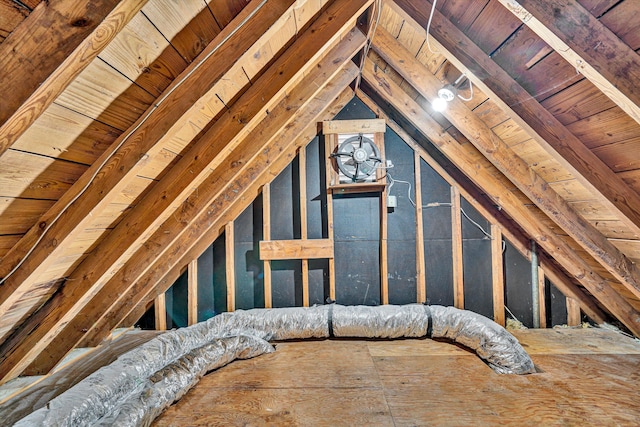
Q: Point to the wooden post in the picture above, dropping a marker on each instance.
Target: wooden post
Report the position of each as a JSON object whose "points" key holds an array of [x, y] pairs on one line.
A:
{"points": [[541, 298], [331, 140], [266, 235], [302, 169], [456, 242], [574, 317], [378, 139], [230, 267], [421, 280], [192, 293], [160, 309], [497, 274]]}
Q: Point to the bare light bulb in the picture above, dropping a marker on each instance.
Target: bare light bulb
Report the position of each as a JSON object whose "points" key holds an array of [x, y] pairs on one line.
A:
{"points": [[439, 104]]}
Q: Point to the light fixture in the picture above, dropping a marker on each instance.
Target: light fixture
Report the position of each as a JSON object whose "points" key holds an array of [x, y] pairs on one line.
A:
{"points": [[447, 93]]}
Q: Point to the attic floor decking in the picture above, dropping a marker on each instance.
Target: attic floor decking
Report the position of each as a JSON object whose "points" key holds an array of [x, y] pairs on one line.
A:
{"points": [[588, 377]]}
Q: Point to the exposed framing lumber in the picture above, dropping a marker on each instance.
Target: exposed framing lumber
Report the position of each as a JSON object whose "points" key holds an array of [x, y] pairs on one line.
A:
{"points": [[456, 247], [296, 249], [378, 139], [541, 298], [497, 274], [130, 313], [512, 166], [230, 264], [160, 313], [146, 269], [192, 293], [125, 158], [266, 234], [464, 158], [330, 141], [596, 52], [337, 22], [574, 317], [48, 50], [421, 277], [302, 179], [558, 277], [539, 123]]}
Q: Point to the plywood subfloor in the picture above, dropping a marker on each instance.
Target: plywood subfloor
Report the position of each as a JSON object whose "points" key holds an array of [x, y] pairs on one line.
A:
{"points": [[588, 377]]}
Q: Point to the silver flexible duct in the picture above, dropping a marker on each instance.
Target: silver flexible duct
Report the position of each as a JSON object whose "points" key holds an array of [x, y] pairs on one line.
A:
{"points": [[139, 385]]}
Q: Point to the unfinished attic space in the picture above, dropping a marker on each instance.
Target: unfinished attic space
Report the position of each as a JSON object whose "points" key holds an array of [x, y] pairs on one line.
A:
{"points": [[319, 212]]}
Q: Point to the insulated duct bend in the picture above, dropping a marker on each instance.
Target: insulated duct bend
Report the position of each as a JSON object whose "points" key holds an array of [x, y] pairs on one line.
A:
{"points": [[140, 384]]}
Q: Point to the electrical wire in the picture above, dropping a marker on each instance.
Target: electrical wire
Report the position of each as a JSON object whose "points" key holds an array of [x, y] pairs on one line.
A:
{"points": [[433, 8], [131, 132], [470, 89], [438, 204], [372, 31]]}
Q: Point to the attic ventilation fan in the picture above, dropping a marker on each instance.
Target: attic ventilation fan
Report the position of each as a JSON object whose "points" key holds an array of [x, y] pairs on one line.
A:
{"points": [[357, 158]]}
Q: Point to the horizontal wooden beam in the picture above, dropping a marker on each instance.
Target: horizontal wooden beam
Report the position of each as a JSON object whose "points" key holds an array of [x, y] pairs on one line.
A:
{"points": [[465, 158], [48, 50], [353, 126], [296, 249], [510, 164]]}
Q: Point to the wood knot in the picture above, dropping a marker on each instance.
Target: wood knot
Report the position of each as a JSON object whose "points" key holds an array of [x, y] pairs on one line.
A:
{"points": [[80, 23]]}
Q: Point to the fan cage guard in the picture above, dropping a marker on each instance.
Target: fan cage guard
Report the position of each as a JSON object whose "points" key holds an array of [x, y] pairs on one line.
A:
{"points": [[346, 166]]}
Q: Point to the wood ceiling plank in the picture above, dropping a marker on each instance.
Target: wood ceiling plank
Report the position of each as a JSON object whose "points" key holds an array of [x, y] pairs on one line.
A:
{"points": [[588, 45], [188, 25], [75, 209], [18, 215], [208, 215], [621, 157], [65, 134], [557, 140], [577, 102], [51, 47], [102, 93], [142, 54], [36, 177], [11, 15], [529, 220], [546, 197], [225, 10], [607, 127]]}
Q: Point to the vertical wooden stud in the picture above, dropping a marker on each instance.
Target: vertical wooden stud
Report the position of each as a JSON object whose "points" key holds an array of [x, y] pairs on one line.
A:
{"points": [[574, 317], [302, 168], [541, 298], [230, 267], [266, 235], [192, 292], [378, 139], [331, 140], [497, 274], [456, 241], [421, 291], [160, 310]]}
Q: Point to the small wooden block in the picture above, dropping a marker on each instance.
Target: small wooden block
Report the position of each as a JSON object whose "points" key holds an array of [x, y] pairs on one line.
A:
{"points": [[353, 126], [296, 249]]}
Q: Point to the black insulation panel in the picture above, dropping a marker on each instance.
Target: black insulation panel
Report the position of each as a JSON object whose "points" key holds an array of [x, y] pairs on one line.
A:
{"points": [[249, 271], [318, 281], [436, 226], [357, 248], [316, 193], [401, 222], [212, 280], [556, 305], [285, 204], [286, 283], [177, 302], [476, 255], [518, 294]]}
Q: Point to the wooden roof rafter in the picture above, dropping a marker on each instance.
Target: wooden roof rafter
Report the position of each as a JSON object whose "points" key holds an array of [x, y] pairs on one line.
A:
{"points": [[196, 165], [595, 51], [536, 120], [497, 187], [126, 157], [81, 29], [510, 164]]}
